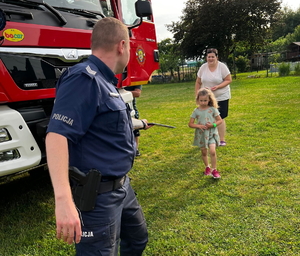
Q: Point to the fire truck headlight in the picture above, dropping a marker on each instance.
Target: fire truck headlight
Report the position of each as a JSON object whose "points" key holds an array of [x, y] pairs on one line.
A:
{"points": [[9, 155], [4, 135]]}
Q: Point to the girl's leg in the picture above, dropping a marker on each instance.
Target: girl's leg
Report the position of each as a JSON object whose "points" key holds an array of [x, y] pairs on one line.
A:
{"points": [[204, 156], [213, 156], [205, 161]]}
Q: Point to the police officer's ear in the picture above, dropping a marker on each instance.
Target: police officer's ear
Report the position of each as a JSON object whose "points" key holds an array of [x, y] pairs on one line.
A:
{"points": [[121, 46]]}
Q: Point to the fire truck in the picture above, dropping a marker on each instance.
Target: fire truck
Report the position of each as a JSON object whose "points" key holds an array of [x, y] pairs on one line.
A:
{"points": [[38, 41]]}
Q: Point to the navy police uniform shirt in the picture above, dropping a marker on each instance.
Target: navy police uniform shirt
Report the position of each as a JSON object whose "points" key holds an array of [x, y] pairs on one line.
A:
{"points": [[91, 114]]}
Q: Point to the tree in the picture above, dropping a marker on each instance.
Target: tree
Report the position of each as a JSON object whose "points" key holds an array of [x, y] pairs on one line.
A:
{"points": [[242, 63], [287, 21], [169, 56], [281, 44], [223, 23]]}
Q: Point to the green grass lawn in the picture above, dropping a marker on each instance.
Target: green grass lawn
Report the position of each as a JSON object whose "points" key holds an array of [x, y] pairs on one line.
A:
{"points": [[254, 209]]}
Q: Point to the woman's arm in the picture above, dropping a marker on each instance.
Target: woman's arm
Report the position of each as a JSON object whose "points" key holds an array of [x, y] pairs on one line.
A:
{"points": [[226, 81], [198, 85], [136, 93]]}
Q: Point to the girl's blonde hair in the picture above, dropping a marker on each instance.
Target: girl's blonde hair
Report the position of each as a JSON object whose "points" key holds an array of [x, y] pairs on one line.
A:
{"points": [[212, 102]]}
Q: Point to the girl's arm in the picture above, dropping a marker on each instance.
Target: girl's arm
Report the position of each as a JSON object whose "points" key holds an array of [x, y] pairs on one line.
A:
{"points": [[218, 121], [199, 126]]}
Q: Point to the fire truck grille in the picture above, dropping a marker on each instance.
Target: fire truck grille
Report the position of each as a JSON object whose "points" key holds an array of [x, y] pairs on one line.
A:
{"points": [[32, 73]]}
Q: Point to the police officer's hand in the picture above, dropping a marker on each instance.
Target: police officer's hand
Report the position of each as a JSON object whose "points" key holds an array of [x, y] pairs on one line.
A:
{"points": [[146, 125], [68, 226]]}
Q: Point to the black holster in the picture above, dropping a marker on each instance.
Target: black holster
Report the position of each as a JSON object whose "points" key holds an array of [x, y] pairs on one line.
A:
{"points": [[84, 187]]}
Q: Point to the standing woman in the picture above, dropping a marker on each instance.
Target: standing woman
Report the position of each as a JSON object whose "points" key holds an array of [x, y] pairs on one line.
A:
{"points": [[215, 75]]}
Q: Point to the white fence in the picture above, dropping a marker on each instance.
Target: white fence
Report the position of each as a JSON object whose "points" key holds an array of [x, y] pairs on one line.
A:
{"points": [[274, 67]]}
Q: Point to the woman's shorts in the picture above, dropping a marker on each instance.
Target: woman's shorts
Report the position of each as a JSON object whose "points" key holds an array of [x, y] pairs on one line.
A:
{"points": [[136, 133], [223, 108]]}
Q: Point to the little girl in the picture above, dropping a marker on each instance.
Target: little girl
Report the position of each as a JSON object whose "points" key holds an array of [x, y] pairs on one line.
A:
{"points": [[207, 117]]}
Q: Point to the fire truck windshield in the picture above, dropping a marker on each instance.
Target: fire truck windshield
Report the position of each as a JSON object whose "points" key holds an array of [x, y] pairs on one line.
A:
{"points": [[87, 8], [84, 6], [90, 5]]}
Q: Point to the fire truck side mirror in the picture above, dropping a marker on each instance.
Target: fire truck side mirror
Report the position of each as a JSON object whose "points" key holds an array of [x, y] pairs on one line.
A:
{"points": [[2, 20], [143, 8]]}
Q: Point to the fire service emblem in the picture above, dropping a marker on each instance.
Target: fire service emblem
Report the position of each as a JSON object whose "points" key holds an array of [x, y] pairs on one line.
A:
{"points": [[140, 55]]}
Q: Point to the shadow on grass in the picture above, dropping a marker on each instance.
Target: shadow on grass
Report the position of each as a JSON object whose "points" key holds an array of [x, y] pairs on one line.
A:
{"points": [[13, 190], [27, 213], [186, 184]]}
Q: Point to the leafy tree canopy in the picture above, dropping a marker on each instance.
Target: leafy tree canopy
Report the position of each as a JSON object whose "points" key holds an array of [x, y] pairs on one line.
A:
{"points": [[280, 45], [222, 23], [287, 21], [169, 55]]}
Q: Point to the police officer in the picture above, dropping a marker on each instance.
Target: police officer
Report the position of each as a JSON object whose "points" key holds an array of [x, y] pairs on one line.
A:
{"points": [[90, 127]]}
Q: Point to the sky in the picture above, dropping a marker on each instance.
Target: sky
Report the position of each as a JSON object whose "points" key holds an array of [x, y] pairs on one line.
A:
{"points": [[168, 11]]}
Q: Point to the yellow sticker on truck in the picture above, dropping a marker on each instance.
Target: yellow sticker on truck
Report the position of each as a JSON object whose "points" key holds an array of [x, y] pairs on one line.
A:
{"points": [[13, 35]]}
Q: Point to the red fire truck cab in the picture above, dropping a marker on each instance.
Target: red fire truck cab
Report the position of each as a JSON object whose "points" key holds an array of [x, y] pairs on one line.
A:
{"points": [[38, 41]]}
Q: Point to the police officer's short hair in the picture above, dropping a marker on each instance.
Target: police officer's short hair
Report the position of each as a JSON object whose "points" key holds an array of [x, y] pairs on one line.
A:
{"points": [[107, 33]]}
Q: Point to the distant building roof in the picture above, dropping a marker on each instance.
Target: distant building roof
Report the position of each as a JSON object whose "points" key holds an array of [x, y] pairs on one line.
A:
{"points": [[297, 43]]}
